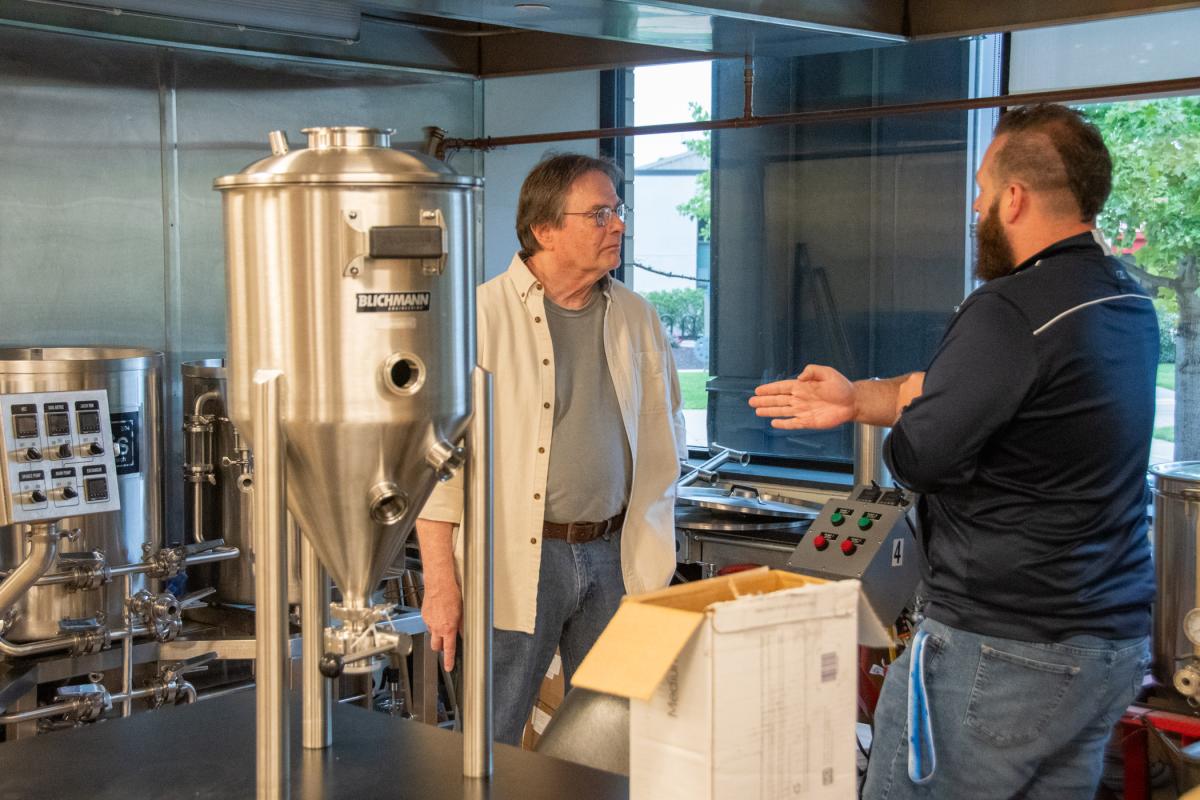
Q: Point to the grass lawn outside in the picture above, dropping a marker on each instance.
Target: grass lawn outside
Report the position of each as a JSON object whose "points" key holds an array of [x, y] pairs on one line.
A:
{"points": [[691, 383], [1166, 379], [1166, 433]]}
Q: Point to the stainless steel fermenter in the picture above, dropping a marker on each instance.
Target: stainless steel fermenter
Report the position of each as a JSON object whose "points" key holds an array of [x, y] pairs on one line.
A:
{"points": [[350, 269], [1176, 534], [133, 378]]}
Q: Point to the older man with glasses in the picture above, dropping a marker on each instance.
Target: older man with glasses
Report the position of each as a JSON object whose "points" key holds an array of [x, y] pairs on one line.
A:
{"points": [[589, 432]]}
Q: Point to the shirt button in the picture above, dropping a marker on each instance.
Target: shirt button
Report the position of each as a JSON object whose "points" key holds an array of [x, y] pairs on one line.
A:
{"points": [[541, 449], [537, 496], [539, 286], [546, 362], [533, 540], [537, 319], [545, 405]]}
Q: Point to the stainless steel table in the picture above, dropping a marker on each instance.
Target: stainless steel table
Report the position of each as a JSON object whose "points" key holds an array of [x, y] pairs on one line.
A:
{"points": [[206, 750]]}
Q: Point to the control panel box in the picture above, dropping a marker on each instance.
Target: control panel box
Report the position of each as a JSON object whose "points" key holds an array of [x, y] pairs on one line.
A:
{"points": [[57, 456], [865, 536]]}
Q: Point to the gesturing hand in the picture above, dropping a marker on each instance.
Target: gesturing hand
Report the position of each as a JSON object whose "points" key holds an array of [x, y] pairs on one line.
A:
{"points": [[821, 397]]}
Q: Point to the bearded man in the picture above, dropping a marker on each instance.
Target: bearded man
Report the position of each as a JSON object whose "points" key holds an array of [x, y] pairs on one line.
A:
{"points": [[1027, 439]]}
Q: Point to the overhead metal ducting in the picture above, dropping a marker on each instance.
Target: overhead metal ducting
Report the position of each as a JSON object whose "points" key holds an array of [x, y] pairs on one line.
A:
{"points": [[491, 38], [332, 19]]}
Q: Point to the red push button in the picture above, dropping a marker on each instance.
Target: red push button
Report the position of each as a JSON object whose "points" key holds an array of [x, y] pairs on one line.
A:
{"points": [[848, 547], [820, 542]]}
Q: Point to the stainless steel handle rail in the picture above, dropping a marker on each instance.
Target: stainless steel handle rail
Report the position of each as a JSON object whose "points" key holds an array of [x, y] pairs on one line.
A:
{"points": [[477, 597], [273, 732]]}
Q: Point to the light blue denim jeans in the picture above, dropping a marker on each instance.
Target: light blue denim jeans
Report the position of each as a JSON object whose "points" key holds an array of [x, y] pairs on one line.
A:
{"points": [[579, 589], [1009, 719]]}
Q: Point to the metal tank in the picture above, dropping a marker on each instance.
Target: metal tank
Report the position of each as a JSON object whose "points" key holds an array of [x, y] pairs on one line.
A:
{"points": [[347, 264], [1176, 489], [133, 378], [218, 480]]}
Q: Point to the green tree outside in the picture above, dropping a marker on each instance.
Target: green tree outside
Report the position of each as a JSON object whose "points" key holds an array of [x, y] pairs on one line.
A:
{"points": [[699, 207], [681, 310], [1155, 147]]}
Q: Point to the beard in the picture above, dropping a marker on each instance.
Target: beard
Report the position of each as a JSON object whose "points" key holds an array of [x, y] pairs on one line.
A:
{"points": [[993, 254]]}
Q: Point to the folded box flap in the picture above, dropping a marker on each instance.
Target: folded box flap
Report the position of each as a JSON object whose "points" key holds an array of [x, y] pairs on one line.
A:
{"points": [[633, 654]]}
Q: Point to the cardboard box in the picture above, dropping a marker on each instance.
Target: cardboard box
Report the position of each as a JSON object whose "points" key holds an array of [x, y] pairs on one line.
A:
{"points": [[549, 698], [742, 686]]}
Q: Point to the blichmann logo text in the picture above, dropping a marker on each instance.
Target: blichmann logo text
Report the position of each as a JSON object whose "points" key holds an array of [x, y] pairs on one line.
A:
{"points": [[393, 301]]}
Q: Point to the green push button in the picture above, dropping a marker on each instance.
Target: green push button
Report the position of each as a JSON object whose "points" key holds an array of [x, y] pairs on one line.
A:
{"points": [[837, 518], [864, 523]]}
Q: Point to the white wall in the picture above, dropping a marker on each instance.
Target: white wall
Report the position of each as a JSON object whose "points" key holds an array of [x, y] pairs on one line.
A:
{"points": [[1126, 50], [532, 104]]}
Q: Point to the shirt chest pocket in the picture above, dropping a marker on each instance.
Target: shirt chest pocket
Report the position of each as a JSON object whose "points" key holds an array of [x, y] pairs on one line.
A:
{"points": [[652, 377]]}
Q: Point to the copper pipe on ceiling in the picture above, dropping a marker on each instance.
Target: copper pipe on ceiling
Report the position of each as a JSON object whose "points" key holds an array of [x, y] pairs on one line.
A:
{"points": [[749, 120]]}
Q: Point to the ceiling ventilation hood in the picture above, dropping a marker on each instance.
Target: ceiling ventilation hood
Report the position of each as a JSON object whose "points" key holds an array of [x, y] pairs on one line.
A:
{"points": [[489, 38]]}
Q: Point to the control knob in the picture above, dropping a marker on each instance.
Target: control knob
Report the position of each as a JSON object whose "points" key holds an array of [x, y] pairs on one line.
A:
{"points": [[37, 496], [95, 449], [64, 451], [69, 493], [33, 454]]}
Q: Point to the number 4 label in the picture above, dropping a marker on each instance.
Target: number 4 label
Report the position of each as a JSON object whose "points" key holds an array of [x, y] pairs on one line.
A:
{"points": [[898, 552]]}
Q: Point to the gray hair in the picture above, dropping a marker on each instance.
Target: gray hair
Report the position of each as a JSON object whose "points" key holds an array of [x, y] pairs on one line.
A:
{"points": [[546, 186]]}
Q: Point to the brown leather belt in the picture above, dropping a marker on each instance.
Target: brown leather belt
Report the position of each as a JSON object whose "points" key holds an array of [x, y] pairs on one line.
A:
{"points": [[582, 532]]}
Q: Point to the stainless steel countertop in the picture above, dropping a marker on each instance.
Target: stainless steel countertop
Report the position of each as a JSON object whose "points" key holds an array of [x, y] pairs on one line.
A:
{"points": [[206, 750]]}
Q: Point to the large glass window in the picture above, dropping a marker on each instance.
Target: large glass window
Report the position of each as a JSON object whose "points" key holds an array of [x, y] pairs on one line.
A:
{"points": [[1152, 222], [1152, 219], [837, 243], [670, 263]]}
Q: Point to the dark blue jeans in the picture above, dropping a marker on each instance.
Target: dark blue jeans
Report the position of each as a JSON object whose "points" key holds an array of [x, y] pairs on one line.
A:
{"points": [[1009, 719], [579, 589]]}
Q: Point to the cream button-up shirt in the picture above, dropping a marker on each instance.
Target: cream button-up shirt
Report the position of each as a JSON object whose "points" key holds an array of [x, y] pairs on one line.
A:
{"points": [[514, 345]]}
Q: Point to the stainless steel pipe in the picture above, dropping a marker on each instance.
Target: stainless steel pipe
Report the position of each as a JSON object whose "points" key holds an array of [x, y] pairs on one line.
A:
{"points": [[477, 584], [317, 693], [868, 455], [43, 547], [64, 642], [194, 560], [270, 588]]}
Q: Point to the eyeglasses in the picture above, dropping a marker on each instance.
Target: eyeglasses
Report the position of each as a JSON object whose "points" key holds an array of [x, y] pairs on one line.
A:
{"points": [[602, 215]]}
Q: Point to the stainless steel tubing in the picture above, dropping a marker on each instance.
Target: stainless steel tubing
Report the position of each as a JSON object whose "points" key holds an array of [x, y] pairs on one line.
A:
{"points": [[477, 584], [64, 642], [196, 559], [316, 690], [127, 656], [197, 485], [43, 547], [42, 712], [708, 470], [270, 589], [868, 455]]}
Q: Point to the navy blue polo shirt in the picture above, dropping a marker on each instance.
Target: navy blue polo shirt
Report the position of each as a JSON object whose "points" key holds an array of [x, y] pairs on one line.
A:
{"points": [[1029, 446]]}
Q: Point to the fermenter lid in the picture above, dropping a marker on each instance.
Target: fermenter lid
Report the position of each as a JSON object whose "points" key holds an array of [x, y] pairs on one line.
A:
{"points": [[344, 155], [1178, 470]]}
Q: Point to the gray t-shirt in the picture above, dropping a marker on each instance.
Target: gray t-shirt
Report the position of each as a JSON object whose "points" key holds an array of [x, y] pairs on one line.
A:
{"points": [[591, 466]]}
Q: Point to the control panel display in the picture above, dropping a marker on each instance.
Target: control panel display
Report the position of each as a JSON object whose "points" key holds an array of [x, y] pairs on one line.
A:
{"points": [[57, 424], [25, 426], [96, 489], [57, 456], [89, 421]]}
